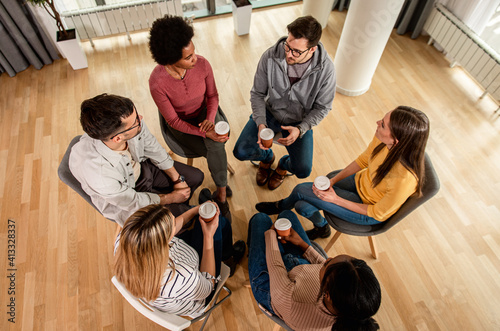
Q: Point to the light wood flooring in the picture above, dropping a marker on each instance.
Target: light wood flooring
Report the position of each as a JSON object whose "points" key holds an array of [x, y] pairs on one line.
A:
{"points": [[439, 269]]}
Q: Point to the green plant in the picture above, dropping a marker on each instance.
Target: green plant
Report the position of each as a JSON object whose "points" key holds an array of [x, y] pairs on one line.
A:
{"points": [[50, 7]]}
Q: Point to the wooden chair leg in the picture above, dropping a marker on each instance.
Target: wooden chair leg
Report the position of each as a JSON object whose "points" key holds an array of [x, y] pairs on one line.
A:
{"points": [[190, 162], [230, 168], [373, 247], [170, 153], [334, 239]]}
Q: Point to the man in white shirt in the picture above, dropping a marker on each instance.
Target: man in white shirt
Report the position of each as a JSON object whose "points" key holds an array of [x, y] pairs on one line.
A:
{"points": [[121, 165]]}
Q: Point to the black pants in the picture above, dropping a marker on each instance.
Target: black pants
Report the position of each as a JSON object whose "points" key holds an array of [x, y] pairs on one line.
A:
{"points": [[154, 180]]}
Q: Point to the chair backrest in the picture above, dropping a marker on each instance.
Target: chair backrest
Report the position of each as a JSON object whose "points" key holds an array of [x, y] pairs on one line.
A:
{"points": [[172, 321], [174, 144], [67, 177], [275, 318], [319, 249], [429, 189]]}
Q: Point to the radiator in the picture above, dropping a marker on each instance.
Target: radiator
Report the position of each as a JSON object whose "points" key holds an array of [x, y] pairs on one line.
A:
{"points": [[113, 19], [465, 47]]}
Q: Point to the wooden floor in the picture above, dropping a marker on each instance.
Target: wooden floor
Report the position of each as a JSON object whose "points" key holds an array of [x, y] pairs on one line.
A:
{"points": [[439, 269]]}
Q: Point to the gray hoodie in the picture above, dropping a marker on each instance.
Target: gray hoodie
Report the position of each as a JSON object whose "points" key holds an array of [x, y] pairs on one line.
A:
{"points": [[305, 103]]}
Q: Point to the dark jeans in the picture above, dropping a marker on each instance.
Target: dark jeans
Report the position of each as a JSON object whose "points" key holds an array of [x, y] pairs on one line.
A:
{"points": [[307, 204], [300, 153], [223, 241], [155, 180], [257, 265], [214, 151]]}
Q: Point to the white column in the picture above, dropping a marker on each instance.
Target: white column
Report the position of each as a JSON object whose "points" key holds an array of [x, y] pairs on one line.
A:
{"points": [[319, 9], [366, 31]]}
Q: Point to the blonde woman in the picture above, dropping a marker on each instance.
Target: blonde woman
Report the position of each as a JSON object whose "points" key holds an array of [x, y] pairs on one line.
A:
{"points": [[176, 274]]}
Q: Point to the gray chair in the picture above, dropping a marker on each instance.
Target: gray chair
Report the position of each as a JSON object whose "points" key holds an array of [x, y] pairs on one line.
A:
{"points": [[177, 148], [429, 189], [67, 177], [279, 322]]}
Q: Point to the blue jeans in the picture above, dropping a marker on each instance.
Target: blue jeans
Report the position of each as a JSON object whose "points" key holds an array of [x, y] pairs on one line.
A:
{"points": [[257, 266], [223, 241], [300, 153], [309, 205]]}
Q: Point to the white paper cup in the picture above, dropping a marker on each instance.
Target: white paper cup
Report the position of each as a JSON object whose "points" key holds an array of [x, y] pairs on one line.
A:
{"points": [[283, 226], [266, 137], [222, 128], [207, 211], [322, 183]]}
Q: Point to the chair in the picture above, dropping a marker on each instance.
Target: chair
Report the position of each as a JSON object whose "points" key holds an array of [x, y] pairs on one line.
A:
{"points": [[279, 322], [429, 189], [67, 177], [171, 321], [177, 148]]}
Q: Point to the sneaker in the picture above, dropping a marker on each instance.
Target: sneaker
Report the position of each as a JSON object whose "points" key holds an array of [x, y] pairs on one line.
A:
{"points": [[319, 232], [229, 193], [269, 208]]}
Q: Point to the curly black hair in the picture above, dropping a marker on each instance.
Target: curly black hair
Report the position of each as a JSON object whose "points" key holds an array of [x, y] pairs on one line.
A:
{"points": [[168, 36]]}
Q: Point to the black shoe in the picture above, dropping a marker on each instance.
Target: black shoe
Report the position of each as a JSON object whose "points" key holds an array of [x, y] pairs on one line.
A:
{"points": [[204, 196], [224, 209], [319, 232], [269, 208], [239, 248], [229, 193], [238, 252]]}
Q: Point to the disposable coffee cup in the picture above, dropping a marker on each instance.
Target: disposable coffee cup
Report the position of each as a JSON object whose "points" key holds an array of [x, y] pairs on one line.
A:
{"points": [[266, 137], [207, 211], [222, 128], [322, 183], [283, 226]]}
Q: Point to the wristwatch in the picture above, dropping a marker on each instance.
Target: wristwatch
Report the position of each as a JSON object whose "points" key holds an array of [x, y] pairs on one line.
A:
{"points": [[181, 179]]}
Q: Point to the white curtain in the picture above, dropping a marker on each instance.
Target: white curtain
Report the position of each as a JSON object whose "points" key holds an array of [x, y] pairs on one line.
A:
{"points": [[474, 13]]}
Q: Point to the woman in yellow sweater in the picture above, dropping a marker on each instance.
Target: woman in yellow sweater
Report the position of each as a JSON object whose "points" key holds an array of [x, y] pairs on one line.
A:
{"points": [[375, 185]]}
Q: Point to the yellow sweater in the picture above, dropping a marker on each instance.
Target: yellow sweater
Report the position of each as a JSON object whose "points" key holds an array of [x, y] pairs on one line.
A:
{"points": [[385, 198]]}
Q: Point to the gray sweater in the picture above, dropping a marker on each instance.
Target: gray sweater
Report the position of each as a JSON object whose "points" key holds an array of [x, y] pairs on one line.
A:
{"points": [[305, 103]]}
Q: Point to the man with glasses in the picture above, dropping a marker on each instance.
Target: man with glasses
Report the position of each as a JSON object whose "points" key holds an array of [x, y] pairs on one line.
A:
{"points": [[121, 165], [293, 91]]}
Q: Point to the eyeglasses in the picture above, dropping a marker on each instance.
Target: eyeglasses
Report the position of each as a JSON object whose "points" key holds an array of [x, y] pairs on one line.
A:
{"points": [[137, 120], [295, 53]]}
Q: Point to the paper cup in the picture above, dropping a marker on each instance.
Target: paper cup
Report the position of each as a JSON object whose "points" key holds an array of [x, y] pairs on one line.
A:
{"points": [[283, 226], [322, 183], [266, 137], [222, 128], [207, 211]]}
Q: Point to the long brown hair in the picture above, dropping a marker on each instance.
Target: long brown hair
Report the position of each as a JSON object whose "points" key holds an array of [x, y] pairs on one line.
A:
{"points": [[142, 255], [410, 127]]}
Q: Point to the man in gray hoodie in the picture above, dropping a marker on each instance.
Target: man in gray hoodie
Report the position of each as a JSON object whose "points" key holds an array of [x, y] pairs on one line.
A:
{"points": [[293, 91]]}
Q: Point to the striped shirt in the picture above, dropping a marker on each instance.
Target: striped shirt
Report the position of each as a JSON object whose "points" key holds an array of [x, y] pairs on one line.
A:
{"points": [[184, 291], [294, 294]]}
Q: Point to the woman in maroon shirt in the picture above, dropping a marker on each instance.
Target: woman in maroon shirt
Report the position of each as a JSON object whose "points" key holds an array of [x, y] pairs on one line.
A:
{"points": [[183, 87]]}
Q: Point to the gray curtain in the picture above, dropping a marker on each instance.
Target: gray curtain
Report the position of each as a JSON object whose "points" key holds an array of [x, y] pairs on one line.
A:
{"points": [[22, 41], [411, 18]]}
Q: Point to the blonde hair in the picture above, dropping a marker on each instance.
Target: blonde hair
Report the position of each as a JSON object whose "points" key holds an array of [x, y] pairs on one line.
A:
{"points": [[142, 255]]}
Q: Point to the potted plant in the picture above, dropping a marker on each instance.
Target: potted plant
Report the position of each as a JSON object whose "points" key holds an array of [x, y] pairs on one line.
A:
{"points": [[242, 11], [66, 39]]}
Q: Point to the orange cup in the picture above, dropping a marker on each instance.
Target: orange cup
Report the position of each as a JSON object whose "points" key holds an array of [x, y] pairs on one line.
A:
{"points": [[322, 183], [283, 227], [222, 128], [266, 137], [207, 211]]}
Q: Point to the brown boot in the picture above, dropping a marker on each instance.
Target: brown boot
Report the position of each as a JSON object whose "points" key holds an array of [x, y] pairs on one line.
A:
{"points": [[264, 171], [276, 178]]}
